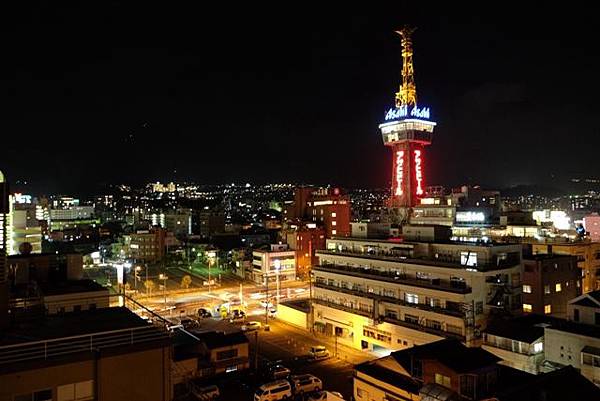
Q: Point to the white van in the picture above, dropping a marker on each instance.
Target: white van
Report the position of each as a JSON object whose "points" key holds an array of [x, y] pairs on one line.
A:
{"points": [[274, 391], [306, 383]]}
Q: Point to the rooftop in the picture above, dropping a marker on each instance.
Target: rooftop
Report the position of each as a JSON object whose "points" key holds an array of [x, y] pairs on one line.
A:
{"points": [[57, 339], [559, 385], [73, 324], [385, 375], [298, 304], [449, 352], [71, 287], [218, 339], [526, 329]]}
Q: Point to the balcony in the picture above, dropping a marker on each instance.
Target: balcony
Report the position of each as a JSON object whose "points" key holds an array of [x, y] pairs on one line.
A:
{"points": [[419, 327], [497, 263], [393, 276], [344, 308], [397, 301]]}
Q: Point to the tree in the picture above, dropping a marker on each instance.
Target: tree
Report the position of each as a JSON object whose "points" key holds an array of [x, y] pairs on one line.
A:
{"points": [[186, 281], [149, 284]]}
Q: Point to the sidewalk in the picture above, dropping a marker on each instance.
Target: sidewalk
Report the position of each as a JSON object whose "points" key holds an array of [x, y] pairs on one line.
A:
{"points": [[344, 352]]}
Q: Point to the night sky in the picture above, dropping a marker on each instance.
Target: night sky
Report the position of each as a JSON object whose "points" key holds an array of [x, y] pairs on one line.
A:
{"points": [[137, 91]]}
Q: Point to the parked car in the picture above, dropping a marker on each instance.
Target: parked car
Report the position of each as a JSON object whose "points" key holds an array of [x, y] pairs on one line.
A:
{"points": [[237, 315], [274, 391], [318, 352], [188, 323], [206, 393], [251, 326], [306, 383], [326, 396], [203, 312], [280, 372]]}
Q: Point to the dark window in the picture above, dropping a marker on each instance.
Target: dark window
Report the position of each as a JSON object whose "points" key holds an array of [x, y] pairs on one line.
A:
{"points": [[597, 318], [467, 386], [417, 368], [77, 308], [44, 395], [232, 353], [576, 314], [92, 307]]}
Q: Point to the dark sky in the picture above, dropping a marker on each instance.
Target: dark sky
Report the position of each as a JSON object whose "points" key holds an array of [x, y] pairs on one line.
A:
{"points": [[135, 91]]}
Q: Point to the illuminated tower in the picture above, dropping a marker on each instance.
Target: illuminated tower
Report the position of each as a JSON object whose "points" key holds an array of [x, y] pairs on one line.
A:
{"points": [[407, 130]]}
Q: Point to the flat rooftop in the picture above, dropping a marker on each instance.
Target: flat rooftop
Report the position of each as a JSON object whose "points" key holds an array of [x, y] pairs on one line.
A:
{"points": [[72, 324], [71, 287]]}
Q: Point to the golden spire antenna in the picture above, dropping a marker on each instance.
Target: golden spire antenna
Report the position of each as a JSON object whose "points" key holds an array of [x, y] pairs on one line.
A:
{"points": [[407, 95]]}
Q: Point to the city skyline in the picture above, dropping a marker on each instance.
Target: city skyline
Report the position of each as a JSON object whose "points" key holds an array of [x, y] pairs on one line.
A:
{"points": [[261, 100]]}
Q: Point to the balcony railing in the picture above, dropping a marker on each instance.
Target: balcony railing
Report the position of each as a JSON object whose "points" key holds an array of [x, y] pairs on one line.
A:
{"points": [[47, 349], [345, 308], [393, 276], [398, 257], [397, 301], [419, 327]]}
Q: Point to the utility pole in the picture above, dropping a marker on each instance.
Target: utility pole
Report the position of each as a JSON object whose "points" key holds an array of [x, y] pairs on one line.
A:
{"points": [[267, 299], [256, 350], [336, 336], [310, 302]]}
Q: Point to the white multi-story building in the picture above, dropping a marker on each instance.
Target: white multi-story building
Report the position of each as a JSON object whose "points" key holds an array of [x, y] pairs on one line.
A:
{"points": [[72, 213], [392, 295], [276, 264]]}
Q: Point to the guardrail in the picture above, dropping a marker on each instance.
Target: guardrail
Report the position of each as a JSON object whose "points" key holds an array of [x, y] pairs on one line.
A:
{"points": [[46, 349]]}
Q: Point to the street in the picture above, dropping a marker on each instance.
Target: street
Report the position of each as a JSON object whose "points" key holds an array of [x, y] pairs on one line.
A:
{"points": [[288, 346]]}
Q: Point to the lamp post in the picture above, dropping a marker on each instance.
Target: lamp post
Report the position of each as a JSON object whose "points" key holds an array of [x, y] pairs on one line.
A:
{"points": [[211, 260], [277, 264], [135, 275], [164, 278]]}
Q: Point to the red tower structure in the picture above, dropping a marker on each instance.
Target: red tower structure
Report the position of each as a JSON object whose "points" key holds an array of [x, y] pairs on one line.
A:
{"points": [[407, 130]]}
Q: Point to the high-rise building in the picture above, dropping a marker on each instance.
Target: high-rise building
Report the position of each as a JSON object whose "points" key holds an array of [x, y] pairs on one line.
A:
{"points": [[326, 207], [4, 210], [407, 129]]}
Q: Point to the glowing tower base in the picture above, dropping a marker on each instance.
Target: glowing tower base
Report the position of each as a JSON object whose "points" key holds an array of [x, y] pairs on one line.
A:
{"points": [[407, 136]]}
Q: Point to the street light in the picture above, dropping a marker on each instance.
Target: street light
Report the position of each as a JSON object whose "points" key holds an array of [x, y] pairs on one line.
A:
{"points": [[135, 275], [164, 278], [277, 264]]}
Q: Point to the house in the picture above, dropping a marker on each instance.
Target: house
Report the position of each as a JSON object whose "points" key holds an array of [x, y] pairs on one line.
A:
{"points": [[519, 342], [203, 355], [445, 366], [585, 308]]}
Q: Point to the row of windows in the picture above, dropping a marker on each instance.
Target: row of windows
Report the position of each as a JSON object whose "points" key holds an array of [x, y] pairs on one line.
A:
{"points": [[528, 308], [557, 287]]}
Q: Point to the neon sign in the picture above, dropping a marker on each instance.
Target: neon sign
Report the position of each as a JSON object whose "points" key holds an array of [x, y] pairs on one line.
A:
{"points": [[403, 111], [418, 172], [399, 172]]}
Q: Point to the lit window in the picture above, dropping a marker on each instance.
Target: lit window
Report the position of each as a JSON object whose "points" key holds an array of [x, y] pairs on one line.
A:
{"points": [[527, 308], [526, 289], [547, 309], [333, 232], [538, 347], [334, 223], [546, 289], [442, 380], [412, 298], [558, 288], [333, 214]]}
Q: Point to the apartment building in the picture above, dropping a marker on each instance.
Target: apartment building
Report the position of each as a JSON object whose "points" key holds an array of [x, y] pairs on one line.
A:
{"points": [[394, 295]]}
